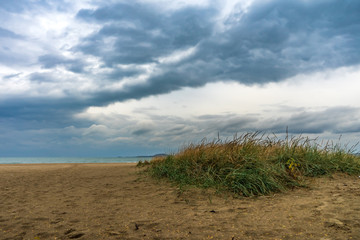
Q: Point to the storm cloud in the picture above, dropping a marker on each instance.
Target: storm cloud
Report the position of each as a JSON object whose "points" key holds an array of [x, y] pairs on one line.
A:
{"points": [[61, 59], [51, 61], [270, 41]]}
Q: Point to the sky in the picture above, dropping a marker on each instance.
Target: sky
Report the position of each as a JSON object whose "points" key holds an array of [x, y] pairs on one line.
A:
{"points": [[139, 77]]}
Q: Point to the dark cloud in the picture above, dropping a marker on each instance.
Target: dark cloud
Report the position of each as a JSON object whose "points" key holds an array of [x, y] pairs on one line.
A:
{"points": [[49, 61], [132, 12], [41, 113], [42, 77], [274, 40], [142, 33], [142, 131], [118, 73], [20, 6], [12, 76], [9, 55], [229, 124], [4, 33], [238, 124], [271, 41], [332, 120]]}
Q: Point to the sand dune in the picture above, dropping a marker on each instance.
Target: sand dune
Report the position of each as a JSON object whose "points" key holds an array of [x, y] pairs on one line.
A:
{"points": [[112, 201]]}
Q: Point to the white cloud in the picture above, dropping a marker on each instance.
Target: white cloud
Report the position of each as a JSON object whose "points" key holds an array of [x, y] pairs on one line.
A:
{"points": [[312, 91], [191, 114]]}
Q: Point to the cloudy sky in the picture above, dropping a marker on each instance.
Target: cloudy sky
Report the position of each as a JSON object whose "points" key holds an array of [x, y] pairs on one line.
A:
{"points": [[110, 78]]}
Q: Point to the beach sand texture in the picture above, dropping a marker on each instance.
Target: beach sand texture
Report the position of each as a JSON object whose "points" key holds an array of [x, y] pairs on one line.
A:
{"points": [[113, 201]]}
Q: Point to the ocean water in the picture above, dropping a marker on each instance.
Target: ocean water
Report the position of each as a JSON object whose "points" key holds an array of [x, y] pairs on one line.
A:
{"points": [[29, 160]]}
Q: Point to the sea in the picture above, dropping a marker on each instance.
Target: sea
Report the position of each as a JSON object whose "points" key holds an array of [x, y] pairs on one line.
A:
{"points": [[31, 160]]}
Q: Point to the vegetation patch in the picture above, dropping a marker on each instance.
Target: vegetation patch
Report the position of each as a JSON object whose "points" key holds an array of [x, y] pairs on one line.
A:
{"points": [[253, 164]]}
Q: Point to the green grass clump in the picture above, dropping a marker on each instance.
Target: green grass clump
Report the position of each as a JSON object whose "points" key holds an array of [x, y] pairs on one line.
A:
{"points": [[252, 164]]}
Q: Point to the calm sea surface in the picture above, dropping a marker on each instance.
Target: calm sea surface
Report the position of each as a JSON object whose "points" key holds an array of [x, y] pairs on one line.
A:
{"points": [[16, 160]]}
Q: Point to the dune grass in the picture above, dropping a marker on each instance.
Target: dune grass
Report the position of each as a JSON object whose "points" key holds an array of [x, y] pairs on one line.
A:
{"points": [[253, 164]]}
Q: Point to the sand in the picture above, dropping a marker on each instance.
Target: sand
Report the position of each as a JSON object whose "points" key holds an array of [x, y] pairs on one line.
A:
{"points": [[114, 201]]}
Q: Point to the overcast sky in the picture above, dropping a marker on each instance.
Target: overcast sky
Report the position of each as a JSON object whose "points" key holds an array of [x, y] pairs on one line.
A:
{"points": [[110, 78]]}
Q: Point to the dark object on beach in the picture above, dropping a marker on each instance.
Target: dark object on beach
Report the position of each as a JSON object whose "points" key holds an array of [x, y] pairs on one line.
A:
{"points": [[76, 235], [136, 226]]}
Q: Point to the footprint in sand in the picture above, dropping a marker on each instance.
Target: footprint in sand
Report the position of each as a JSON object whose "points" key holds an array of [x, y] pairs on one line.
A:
{"points": [[336, 223], [146, 224], [73, 234]]}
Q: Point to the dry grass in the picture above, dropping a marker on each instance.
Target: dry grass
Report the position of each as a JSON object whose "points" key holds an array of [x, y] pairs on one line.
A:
{"points": [[253, 164]]}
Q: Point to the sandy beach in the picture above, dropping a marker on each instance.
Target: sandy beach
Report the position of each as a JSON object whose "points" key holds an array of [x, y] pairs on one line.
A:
{"points": [[114, 201]]}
